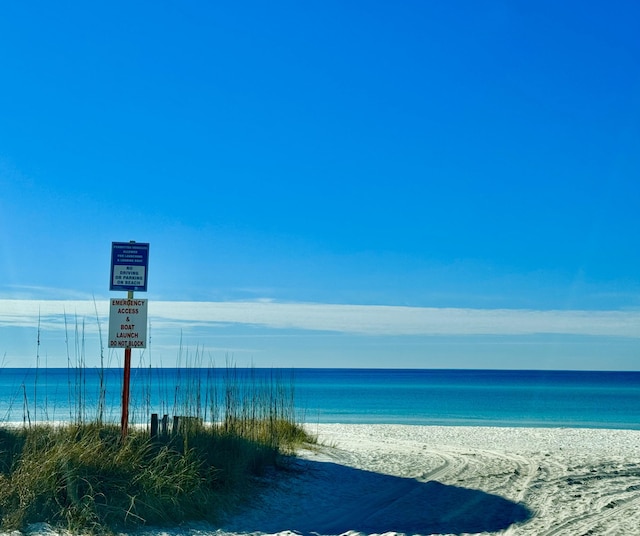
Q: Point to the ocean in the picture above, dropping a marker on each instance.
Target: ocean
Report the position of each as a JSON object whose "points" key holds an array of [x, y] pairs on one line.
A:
{"points": [[579, 399]]}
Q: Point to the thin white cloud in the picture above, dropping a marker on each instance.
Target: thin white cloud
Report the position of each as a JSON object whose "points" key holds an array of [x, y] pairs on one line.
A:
{"points": [[354, 319], [30, 292], [51, 314]]}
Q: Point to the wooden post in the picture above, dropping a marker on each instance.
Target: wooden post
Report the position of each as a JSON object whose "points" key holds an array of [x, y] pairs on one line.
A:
{"points": [[154, 425], [176, 425], [165, 425]]}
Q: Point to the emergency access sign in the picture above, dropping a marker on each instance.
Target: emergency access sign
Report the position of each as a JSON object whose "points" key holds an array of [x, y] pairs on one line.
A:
{"points": [[128, 323], [129, 266]]}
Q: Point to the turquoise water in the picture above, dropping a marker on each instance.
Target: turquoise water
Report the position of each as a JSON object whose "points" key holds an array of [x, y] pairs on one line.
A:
{"points": [[474, 397], [446, 397]]}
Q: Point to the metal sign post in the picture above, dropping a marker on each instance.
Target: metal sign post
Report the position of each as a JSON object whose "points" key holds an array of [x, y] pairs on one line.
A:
{"points": [[128, 318], [126, 380]]}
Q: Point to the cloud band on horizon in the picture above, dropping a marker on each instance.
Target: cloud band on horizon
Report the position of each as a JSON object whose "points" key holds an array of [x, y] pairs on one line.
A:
{"points": [[383, 320]]}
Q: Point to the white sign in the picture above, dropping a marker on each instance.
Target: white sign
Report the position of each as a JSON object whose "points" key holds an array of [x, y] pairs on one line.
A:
{"points": [[128, 276], [128, 323]]}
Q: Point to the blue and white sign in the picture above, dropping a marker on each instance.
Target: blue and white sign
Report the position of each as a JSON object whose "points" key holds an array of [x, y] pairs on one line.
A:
{"points": [[129, 266]]}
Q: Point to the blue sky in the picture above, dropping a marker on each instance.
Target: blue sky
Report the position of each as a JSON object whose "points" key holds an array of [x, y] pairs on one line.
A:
{"points": [[314, 177]]}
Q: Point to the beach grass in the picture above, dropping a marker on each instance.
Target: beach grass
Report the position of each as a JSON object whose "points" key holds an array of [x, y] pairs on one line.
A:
{"points": [[86, 476]]}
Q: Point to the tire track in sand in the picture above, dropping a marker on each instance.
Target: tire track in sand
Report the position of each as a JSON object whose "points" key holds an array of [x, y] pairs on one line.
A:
{"points": [[587, 524]]}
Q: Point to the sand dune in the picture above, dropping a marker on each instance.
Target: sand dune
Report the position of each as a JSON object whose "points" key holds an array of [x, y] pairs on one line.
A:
{"points": [[375, 479]]}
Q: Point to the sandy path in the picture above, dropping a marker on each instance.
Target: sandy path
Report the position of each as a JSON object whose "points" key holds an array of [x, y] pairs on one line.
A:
{"points": [[457, 480]]}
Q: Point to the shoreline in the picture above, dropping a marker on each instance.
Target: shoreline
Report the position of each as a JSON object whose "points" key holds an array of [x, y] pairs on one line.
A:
{"points": [[448, 423]]}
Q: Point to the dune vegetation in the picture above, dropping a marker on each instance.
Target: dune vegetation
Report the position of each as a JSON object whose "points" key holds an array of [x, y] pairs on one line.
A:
{"points": [[88, 476]]}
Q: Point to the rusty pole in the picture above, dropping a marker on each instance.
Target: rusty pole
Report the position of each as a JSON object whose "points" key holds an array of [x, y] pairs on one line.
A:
{"points": [[124, 421]]}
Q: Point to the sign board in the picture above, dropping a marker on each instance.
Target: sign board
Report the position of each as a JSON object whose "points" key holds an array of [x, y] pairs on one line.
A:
{"points": [[129, 266], [127, 323]]}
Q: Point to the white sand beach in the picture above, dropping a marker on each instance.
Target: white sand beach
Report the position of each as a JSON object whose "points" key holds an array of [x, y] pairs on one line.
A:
{"points": [[457, 480], [386, 479]]}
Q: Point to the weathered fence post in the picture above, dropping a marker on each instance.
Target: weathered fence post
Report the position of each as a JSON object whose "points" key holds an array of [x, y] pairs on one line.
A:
{"points": [[154, 425], [176, 425], [165, 425]]}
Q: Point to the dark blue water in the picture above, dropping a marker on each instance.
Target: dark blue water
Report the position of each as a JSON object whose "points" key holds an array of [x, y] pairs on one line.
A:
{"points": [[447, 397]]}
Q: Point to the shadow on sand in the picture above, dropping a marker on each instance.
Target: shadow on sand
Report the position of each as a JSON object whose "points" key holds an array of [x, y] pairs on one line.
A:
{"points": [[327, 498]]}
